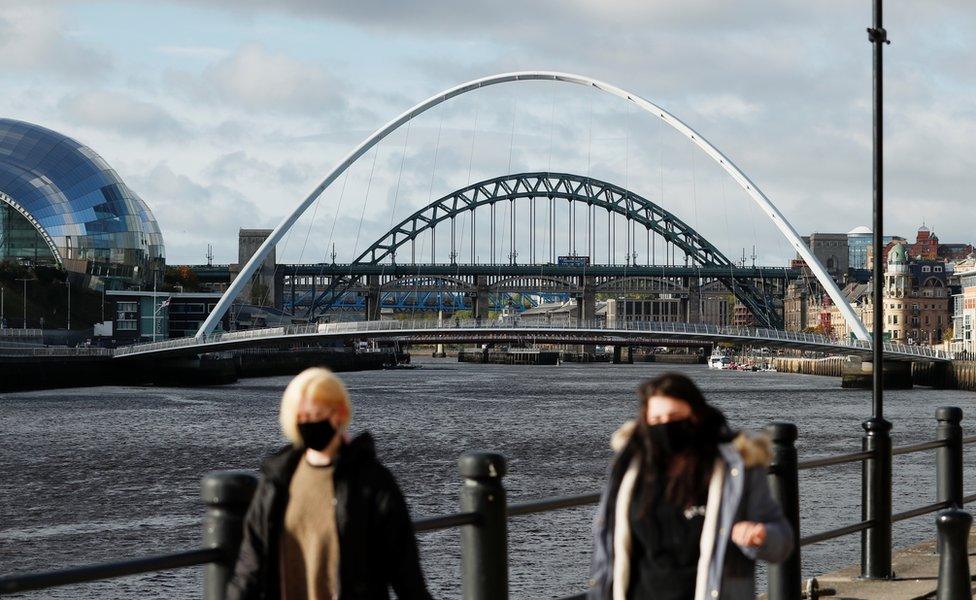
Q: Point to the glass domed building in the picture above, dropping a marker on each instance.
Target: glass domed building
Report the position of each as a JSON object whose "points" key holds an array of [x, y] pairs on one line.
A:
{"points": [[61, 204]]}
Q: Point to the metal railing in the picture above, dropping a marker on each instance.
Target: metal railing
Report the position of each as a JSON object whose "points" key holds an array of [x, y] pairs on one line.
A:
{"points": [[20, 332], [753, 335], [63, 351], [485, 512]]}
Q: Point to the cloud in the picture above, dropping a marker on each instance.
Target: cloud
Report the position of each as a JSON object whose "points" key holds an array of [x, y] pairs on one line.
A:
{"points": [[208, 53], [192, 214], [33, 41], [262, 81], [122, 114], [240, 166]]}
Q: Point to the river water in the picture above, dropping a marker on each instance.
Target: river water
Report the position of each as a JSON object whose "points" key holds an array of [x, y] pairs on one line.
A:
{"points": [[97, 474]]}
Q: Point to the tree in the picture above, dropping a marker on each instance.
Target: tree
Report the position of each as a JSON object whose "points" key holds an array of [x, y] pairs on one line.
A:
{"points": [[182, 276]]}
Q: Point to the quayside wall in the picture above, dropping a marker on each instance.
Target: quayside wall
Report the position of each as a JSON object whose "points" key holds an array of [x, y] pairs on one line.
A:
{"points": [[53, 372], [958, 374]]}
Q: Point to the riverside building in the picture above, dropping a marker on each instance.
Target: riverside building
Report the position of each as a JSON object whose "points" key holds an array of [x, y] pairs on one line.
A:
{"points": [[964, 314], [62, 205]]}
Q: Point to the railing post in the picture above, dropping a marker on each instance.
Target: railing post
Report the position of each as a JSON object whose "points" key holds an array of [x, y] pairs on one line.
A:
{"points": [[227, 495], [484, 545], [876, 500], [954, 581], [784, 579], [949, 457]]}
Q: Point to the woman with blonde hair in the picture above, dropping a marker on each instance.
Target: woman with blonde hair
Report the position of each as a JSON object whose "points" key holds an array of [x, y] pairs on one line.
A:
{"points": [[687, 510], [328, 521]]}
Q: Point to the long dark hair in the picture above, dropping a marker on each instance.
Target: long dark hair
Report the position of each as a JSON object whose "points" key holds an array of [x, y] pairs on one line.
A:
{"points": [[686, 474]]}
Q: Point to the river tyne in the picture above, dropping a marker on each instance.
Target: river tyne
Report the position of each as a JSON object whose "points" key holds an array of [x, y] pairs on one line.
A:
{"points": [[98, 474]]}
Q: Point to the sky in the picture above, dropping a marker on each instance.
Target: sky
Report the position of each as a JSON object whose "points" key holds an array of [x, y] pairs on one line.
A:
{"points": [[226, 115]]}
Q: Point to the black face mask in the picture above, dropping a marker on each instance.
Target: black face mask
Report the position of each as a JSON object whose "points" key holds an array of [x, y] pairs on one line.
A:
{"points": [[672, 437], [317, 435]]}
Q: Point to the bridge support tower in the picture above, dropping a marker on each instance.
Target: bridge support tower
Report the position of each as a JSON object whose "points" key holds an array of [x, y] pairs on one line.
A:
{"points": [[372, 297], [586, 308], [693, 305], [858, 373], [480, 304]]}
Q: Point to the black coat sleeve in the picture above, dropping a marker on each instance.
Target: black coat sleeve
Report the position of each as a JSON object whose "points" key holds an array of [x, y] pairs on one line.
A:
{"points": [[399, 541], [247, 581]]}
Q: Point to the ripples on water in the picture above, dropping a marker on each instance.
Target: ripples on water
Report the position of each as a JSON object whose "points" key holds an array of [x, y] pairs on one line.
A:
{"points": [[97, 474]]}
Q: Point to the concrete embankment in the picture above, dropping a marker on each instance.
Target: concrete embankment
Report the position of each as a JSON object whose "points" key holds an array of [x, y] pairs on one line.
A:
{"points": [[958, 374], [52, 372], [830, 366], [509, 357]]}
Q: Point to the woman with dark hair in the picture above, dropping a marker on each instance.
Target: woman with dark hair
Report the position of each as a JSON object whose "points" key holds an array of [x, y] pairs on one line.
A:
{"points": [[687, 510]]}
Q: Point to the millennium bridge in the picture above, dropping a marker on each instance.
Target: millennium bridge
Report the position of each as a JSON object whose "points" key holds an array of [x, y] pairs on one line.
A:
{"points": [[476, 331]]}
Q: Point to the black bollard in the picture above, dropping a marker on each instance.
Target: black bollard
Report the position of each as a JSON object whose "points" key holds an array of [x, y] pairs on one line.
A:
{"points": [[876, 500], [784, 580], [954, 581], [227, 495], [949, 457], [484, 545]]}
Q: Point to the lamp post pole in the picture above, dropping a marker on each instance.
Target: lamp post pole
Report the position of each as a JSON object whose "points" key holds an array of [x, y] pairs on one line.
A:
{"points": [[876, 471], [155, 310], [25, 280], [67, 284]]}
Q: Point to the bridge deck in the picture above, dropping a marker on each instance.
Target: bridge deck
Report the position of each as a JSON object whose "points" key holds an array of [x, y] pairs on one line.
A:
{"points": [[475, 332]]}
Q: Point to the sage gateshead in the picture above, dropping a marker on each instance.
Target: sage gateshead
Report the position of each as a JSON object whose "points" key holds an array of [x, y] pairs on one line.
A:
{"points": [[62, 205]]}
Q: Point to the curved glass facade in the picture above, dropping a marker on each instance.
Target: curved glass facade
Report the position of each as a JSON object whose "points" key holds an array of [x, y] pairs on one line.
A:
{"points": [[90, 221]]}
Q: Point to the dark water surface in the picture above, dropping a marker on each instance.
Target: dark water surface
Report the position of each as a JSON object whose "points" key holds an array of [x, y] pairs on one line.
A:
{"points": [[97, 474]]}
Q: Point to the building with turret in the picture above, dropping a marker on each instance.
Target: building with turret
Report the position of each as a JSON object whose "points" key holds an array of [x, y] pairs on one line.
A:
{"points": [[916, 300]]}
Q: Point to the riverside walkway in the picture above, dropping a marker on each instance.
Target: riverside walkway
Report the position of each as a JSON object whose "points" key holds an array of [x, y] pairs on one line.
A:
{"points": [[916, 570]]}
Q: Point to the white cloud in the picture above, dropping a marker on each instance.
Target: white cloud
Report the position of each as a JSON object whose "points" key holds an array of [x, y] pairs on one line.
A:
{"points": [[192, 214], [263, 81], [118, 112], [208, 53], [34, 41]]}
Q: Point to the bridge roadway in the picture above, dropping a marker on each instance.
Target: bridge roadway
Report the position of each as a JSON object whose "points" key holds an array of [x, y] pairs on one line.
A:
{"points": [[642, 333]]}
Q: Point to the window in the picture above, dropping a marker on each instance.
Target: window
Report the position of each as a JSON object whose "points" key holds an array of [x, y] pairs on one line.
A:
{"points": [[126, 325], [926, 269], [126, 307], [937, 269]]}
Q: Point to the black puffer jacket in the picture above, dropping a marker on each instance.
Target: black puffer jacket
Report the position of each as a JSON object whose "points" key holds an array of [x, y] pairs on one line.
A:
{"points": [[377, 547]]}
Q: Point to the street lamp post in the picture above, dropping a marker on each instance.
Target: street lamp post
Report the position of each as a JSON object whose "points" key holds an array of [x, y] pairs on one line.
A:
{"points": [[67, 284], [25, 280], [876, 473]]}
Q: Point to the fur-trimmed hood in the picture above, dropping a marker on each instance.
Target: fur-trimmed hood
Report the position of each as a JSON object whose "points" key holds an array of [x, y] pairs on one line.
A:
{"points": [[755, 450]]}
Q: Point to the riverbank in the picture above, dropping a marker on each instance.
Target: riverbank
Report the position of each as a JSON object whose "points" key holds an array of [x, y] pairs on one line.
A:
{"points": [[957, 375], [25, 373]]}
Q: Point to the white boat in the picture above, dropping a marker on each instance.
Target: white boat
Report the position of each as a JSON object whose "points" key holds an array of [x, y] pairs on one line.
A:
{"points": [[718, 361]]}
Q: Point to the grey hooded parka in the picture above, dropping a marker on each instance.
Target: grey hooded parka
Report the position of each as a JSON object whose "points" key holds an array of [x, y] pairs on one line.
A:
{"points": [[738, 491]]}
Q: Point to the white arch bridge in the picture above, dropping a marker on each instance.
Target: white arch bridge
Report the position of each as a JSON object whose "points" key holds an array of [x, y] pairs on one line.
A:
{"points": [[764, 203], [643, 333]]}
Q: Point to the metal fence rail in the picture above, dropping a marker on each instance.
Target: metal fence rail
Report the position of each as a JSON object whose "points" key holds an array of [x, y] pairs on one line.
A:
{"points": [[485, 512]]}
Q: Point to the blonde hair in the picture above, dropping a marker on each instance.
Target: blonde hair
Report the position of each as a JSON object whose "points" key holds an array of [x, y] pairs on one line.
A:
{"points": [[322, 387]]}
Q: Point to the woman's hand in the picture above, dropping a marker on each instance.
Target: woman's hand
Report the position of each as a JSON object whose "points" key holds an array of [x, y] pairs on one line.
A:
{"points": [[749, 534]]}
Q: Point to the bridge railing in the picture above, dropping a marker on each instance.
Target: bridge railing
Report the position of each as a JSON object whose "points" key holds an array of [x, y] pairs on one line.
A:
{"points": [[756, 335], [485, 513], [20, 332]]}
